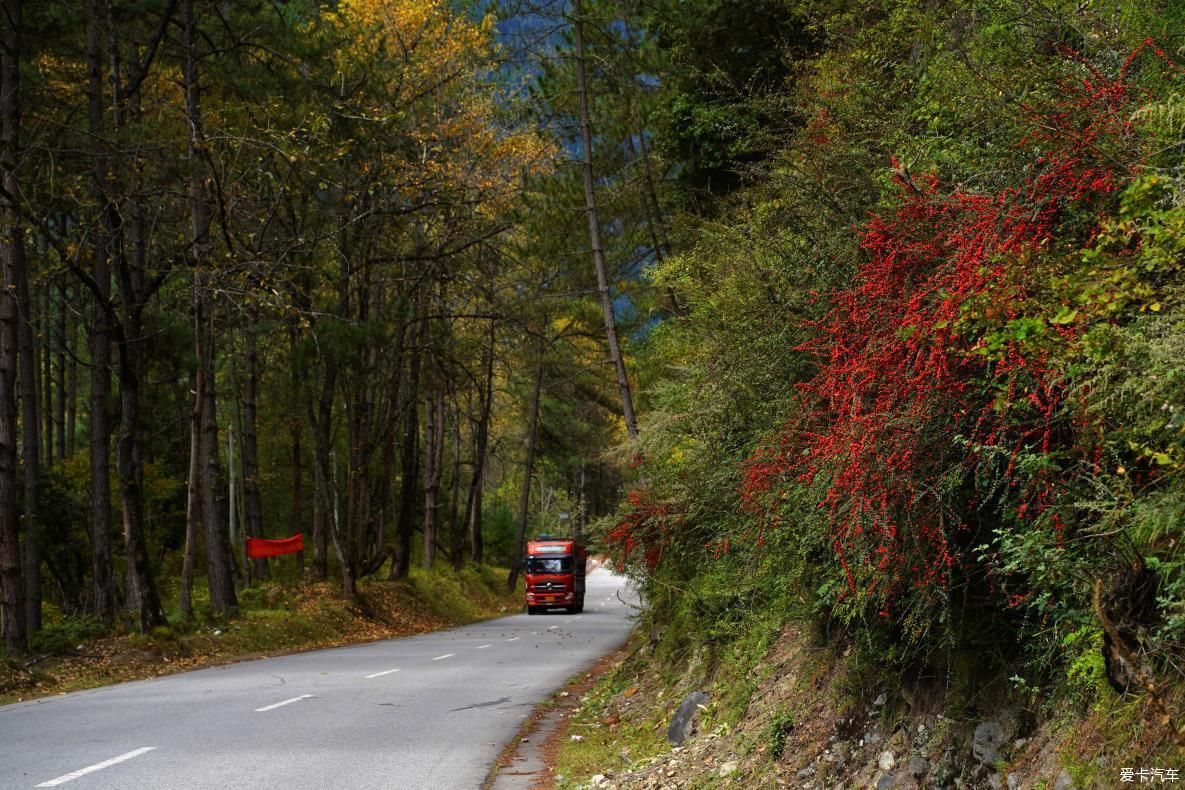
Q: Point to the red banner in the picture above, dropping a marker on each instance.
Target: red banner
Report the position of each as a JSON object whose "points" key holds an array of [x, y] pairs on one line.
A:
{"points": [[258, 548]]}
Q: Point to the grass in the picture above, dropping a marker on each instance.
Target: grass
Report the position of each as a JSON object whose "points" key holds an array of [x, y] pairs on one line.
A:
{"points": [[604, 739], [72, 653]]}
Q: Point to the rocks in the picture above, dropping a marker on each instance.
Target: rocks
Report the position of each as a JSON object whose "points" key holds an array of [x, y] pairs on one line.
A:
{"points": [[881, 700], [985, 744], [577, 738], [729, 768], [600, 780], [1064, 781], [918, 767], [886, 761], [681, 725], [944, 773], [885, 782]]}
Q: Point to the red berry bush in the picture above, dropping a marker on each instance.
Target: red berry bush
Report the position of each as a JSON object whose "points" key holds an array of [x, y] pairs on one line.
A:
{"points": [[935, 374]]}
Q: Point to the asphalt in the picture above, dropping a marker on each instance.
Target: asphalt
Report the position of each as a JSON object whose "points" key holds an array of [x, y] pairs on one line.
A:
{"points": [[430, 711]]}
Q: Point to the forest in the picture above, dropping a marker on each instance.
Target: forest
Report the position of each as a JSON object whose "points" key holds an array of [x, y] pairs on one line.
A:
{"points": [[866, 315], [270, 278]]}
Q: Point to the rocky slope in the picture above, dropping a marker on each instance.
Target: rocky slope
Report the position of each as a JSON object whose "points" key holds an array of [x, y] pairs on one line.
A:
{"points": [[805, 716]]}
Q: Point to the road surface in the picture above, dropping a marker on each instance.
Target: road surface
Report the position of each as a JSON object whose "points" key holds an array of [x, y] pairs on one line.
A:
{"points": [[430, 711]]}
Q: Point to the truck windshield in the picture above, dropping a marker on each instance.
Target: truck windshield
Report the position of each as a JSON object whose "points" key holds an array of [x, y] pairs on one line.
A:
{"points": [[549, 564]]}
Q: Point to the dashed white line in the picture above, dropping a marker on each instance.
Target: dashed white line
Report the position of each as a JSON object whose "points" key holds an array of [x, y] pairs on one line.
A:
{"points": [[482, 647], [552, 627], [380, 674], [512, 639], [90, 769], [266, 708], [446, 655]]}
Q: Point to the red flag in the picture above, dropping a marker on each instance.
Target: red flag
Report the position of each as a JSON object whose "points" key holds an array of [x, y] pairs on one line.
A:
{"points": [[258, 548]]}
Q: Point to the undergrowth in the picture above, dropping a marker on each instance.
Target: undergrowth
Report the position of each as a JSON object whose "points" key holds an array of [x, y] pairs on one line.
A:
{"points": [[79, 652]]}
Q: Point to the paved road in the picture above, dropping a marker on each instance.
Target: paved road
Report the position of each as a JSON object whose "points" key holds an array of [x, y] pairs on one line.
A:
{"points": [[430, 711]]}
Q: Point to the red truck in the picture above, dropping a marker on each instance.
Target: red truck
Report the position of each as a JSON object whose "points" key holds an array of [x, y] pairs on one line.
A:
{"points": [[555, 574]]}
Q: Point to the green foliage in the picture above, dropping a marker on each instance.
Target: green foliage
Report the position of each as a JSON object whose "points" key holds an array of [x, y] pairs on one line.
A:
{"points": [[64, 637], [1085, 672], [776, 732], [948, 92]]}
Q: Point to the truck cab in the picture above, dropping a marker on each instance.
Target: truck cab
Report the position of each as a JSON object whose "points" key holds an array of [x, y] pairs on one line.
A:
{"points": [[554, 573]]}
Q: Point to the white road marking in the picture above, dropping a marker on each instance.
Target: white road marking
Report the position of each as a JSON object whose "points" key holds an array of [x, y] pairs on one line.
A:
{"points": [[512, 639], [446, 655], [552, 627], [482, 647], [282, 704], [380, 674], [579, 616], [90, 769]]}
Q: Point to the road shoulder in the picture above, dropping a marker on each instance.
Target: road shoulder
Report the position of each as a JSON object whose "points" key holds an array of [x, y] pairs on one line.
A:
{"points": [[528, 762]]}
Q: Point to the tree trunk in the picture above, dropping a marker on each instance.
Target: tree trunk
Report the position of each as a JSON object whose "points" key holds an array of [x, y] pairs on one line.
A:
{"points": [[12, 616], [135, 293], [322, 423], [297, 426], [456, 526], [433, 463], [390, 429], [219, 563], [524, 500], [40, 332], [355, 528], [141, 595], [401, 562], [320, 515], [58, 347], [347, 540], [30, 445], [219, 569], [100, 332], [594, 228], [480, 442], [251, 504], [71, 375], [193, 494], [581, 510]]}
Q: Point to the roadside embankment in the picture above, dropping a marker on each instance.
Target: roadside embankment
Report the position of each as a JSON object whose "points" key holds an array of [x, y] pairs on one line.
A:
{"points": [[75, 654], [804, 713]]}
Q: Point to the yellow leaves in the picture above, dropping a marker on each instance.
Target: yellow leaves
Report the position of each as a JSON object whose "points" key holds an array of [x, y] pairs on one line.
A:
{"points": [[416, 43], [425, 111]]}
